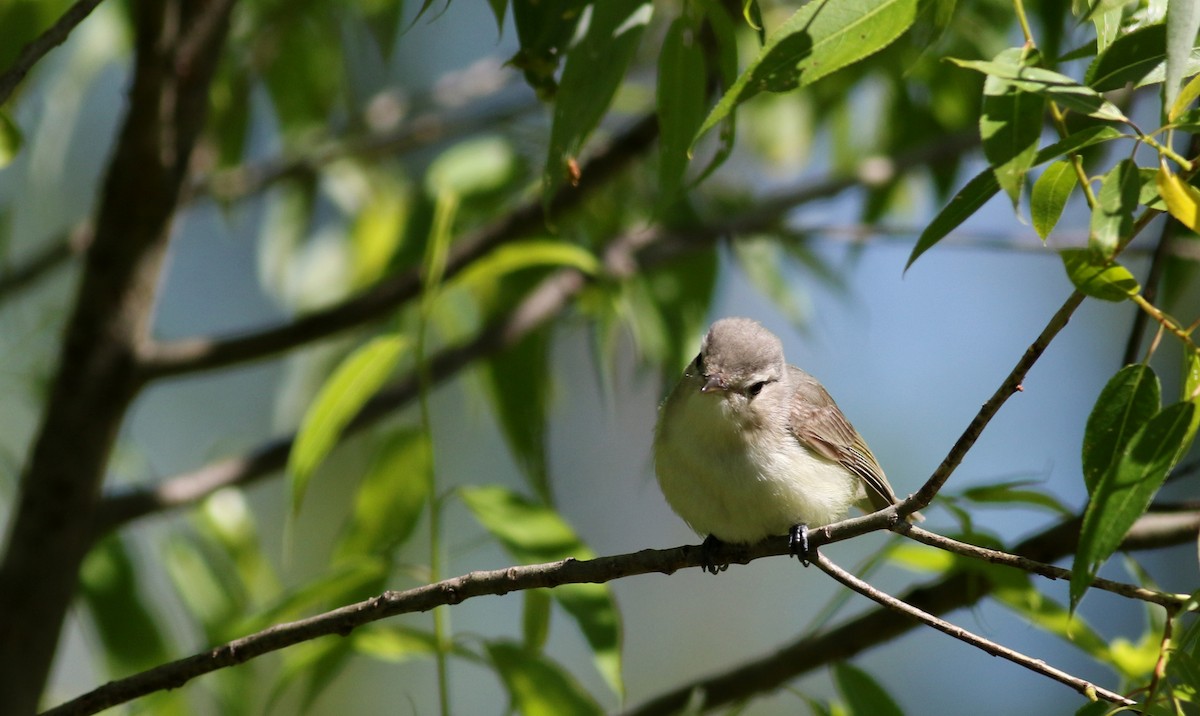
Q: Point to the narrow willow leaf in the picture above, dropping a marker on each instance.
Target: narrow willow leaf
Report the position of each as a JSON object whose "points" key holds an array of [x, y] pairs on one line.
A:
{"points": [[1051, 85], [965, 203], [1129, 59], [390, 498], [519, 387], [11, 139], [862, 693], [818, 40], [1010, 126], [1129, 400], [1183, 19], [1191, 376], [358, 377], [1112, 217], [1050, 194], [1187, 95], [1124, 491], [594, 69], [1015, 493], [1148, 195], [124, 623], [526, 254], [535, 533], [538, 686], [681, 93], [1076, 141], [476, 166], [535, 618], [1096, 278], [1052, 618], [1182, 199]]}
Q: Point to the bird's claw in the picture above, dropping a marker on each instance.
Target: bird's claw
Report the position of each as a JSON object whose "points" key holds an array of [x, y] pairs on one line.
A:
{"points": [[709, 563], [798, 543]]}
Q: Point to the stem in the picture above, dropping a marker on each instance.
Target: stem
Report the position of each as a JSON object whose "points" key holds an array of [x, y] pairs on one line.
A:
{"points": [[1060, 125], [1160, 666], [1164, 320], [1019, 9]]}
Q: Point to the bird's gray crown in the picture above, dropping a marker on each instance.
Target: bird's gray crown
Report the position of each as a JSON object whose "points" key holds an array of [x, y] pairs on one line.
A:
{"points": [[739, 349]]}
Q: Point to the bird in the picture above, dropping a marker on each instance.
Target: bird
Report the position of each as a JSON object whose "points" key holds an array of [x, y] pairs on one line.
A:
{"points": [[748, 447]]}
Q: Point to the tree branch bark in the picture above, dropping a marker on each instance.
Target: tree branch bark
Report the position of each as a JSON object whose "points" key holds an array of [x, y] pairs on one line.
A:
{"points": [[955, 590], [37, 48], [176, 49]]}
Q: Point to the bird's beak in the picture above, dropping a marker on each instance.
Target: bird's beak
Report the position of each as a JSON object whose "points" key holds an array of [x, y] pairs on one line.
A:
{"points": [[713, 382]]}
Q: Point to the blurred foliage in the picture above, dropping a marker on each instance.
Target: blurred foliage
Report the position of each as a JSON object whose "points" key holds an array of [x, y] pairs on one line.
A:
{"points": [[769, 87]]}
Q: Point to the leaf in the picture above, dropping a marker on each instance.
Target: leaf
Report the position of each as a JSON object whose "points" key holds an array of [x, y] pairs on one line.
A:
{"points": [[1188, 95], [1051, 85], [1182, 199], [1050, 194], [1013, 493], [358, 377], [965, 203], [1183, 20], [1010, 126], [124, 623], [594, 69], [518, 384], [863, 694], [1129, 59], [535, 617], [533, 533], [1129, 400], [764, 263], [1112, 217], [681, 93], [1191, 376], [391, 497], [544, 30], [476, 166], [1096, 278], [1050, 616], [520, 255], [1076, 141], [821, 38], [11, 139], [538, 686], [1125, 490]]}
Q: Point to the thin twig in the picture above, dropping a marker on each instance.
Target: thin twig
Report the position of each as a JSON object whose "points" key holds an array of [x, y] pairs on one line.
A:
{"points": [[1170, 601], [496, 582], [44, 260], [37, 48], [1084, 687]]}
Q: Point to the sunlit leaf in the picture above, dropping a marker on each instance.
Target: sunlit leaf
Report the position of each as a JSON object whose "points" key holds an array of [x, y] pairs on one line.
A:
{"points": [[1051, 617], [864, 696], [1098, 278], [1010, 126], [818, 40], [1129, 400], [920, 558], [520, 255], [1050, 194], [391, 497], [475, 166], [1051, 85], [538, 686], [1126, 488], [1187, 95], [11, 139], [359, 376], [535, 617], [124, 622], [1112, 217], [1182, 199], [1015, 493]]}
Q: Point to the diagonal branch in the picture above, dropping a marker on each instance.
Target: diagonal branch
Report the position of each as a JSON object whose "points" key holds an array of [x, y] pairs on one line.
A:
{"points": [[496, 582], [37, 48], [1084, 687]]}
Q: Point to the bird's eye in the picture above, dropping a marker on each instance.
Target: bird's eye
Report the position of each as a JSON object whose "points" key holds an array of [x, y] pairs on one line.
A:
{"points": [[755, 389]]}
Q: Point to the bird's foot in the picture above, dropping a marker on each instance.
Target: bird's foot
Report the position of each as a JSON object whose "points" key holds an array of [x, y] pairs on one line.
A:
{"points": [[707, 552], [798, 543]]}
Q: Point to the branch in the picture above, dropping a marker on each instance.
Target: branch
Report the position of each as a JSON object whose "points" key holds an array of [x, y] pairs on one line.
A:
{"points": [[1086, 688], [45, 259], [1170, 601], [496, 582], [954, 591], [198, 354], [37, 48]]}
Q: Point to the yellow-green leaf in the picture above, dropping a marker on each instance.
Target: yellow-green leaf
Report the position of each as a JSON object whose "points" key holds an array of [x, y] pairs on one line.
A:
{"points": [[1183, 199], [1097, 277], [527, 254]]}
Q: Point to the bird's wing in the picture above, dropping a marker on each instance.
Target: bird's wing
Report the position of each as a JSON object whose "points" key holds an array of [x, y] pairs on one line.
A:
{"points": [[818, 423]]}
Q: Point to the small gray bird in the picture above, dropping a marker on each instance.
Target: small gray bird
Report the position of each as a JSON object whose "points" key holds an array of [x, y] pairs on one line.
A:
{"points": [[748, 447]]}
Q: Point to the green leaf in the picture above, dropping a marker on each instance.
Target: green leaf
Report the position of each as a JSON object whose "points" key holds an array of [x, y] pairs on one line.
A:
{"points": [[1050, 194], [1010, 126], [1051, 85], [1052, 618], [1125, 490], [359, 377], [391, 497], [594, 69], [1013, 493], [1097, 278], [863, 695], [1191, 376], [1129, 400], [1182, 199], [545, 31], [538, 686], [818, 40], [1183, 19], [520, 255], [210, 597], [764, 263], [1185, 98], [519, 382], [681, 93], [1076, 141], [965, 203], [476, 166], [11, 139], [124, 623], [533, 533], [535, 617], [1128, 59], [1112, 217]]}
